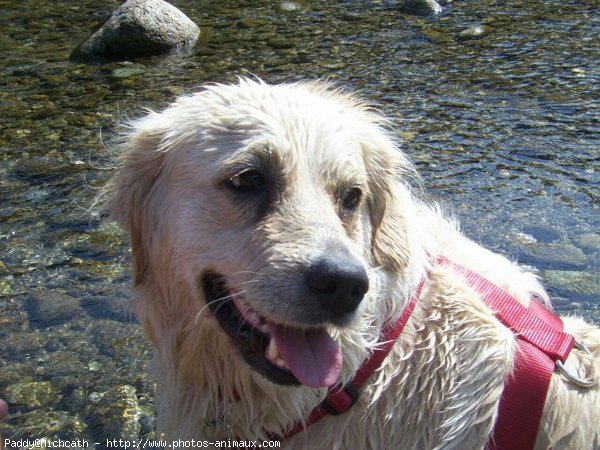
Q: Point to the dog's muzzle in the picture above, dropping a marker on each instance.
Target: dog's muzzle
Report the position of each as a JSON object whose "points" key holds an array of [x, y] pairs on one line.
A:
{"points": [[286, 353]]}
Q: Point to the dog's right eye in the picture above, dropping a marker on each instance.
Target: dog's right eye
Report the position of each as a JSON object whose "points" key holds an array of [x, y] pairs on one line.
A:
{"points": [[249, 180]]}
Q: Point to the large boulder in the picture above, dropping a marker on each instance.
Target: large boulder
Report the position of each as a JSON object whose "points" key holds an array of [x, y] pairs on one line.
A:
{"points": [[142, 28]]}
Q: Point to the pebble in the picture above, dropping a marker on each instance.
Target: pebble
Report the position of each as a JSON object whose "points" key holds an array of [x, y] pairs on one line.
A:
{"points": [[436, 36], [475, 32], [126, 72], [251, 22], [280, 43], [292, 6]]}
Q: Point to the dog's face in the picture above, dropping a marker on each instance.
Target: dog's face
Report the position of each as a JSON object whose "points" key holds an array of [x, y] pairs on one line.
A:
{"points": [[268, 204]]}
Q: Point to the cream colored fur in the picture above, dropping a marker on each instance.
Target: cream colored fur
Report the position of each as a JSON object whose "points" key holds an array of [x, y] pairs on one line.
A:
{"points": [[440, 386]]}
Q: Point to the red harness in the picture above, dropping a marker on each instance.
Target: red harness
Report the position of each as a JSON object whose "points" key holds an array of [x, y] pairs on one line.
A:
{"points": [[540, 340]]}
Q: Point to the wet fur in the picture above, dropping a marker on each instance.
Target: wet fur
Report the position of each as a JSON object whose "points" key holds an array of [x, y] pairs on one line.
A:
{"points": [[440, 386]]}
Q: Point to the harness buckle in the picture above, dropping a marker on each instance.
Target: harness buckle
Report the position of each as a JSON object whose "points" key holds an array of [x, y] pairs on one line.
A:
{"points": [[339, 401], [572, 378]]}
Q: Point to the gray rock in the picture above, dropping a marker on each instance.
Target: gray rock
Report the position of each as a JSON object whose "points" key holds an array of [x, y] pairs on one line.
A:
{"points": [[421, 7], [436, 36], [570, 282], [32, 395], [589, 242], [107, 306], [252, 22], [48, 308], [554, 256], [126, 72], [475, 32], [542, 234], [21, 344], [141, 28]]}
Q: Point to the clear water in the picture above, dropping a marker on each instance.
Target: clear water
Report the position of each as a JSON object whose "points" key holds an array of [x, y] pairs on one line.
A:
{"points": [[505, 130]]}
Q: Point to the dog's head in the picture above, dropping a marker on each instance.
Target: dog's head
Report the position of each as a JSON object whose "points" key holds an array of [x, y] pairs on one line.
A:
{"points": [[271, 206]]}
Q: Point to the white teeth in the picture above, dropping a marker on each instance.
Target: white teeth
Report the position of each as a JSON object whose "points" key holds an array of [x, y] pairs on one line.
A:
{"points": [[251, 316], [274, 356], [281, 363], [272, 350]]}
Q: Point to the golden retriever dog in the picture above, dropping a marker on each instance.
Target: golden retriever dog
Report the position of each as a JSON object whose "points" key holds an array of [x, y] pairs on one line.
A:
{"points": [[275, 231]]}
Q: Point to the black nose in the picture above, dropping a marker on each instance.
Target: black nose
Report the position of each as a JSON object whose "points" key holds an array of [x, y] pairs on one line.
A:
{"points": [[339, 282]]}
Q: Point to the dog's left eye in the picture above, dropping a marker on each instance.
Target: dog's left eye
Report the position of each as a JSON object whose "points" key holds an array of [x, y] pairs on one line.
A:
{"points": [[351, 198], [249, 180]]}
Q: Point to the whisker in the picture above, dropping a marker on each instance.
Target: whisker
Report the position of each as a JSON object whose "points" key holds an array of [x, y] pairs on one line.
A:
{"points": [[246, 272], [230, 296], [243, 283], [221, 301]]}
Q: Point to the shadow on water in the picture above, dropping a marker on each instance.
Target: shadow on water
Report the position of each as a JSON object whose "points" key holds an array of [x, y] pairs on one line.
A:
{"points": [[504, 128]]}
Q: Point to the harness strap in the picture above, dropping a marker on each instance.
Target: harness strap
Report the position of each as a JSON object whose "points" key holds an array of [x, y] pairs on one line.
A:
{"points": [[523, 399], [536, 324], [540, 343]]}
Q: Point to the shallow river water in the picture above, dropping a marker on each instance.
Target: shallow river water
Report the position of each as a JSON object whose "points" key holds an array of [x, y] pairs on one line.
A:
{"points": [[505, 129]]}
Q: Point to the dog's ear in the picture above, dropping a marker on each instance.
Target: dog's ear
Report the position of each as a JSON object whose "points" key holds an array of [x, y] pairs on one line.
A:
{"points": [[386, 168], [129, 195]]}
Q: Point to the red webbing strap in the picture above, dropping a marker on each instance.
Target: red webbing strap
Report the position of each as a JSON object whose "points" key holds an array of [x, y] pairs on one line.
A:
{"points": [[340, 399], [388, 338], [534, 324], [523, 398], [540, 342]]}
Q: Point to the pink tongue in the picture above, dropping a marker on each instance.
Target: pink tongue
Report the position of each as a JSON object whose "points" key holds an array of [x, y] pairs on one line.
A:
{"points": [[311, 355]]}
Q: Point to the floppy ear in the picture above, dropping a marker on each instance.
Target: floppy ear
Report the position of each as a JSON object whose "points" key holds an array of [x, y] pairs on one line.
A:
{"points": [[386, 167], [130, 193]]}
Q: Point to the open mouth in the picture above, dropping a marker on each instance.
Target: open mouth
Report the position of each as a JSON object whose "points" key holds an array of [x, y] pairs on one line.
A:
{"points": [[283, 354]]}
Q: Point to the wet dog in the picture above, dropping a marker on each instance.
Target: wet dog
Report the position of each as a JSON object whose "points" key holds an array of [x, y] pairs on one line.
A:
{"points": [[274, 233]]}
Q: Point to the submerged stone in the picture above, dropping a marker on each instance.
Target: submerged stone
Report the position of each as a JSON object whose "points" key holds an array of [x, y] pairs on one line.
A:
{"points": [[48, 308], [126, 72], [115, 412], [589, 242], [251, 22], [475, 32], [556, 255], [572, 282], [141, 28], [436, 36], [542, 234], [32, 395], [41, 424]]}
